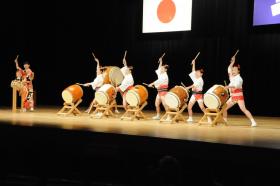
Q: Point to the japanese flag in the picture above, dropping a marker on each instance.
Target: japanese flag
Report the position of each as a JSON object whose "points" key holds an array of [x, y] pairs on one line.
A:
{"points": [[166, 15]]}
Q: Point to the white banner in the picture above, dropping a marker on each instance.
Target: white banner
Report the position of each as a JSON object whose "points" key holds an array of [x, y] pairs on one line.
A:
{"points": [[166, 15]]}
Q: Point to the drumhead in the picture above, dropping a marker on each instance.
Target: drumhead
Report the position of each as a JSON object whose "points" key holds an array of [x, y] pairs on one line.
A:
{"points": [[101, 97], [172, 100], [67, 96], [212, 101], [132, 98], [116, 76]]}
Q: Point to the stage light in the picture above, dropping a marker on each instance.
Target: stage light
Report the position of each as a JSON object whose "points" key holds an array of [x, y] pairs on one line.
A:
{"points": [[166, 15]]}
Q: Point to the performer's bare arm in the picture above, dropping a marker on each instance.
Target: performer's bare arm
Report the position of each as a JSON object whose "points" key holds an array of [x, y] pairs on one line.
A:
{"points": [[16, 61], [228, 87], [193, 65], [232, 61], [96, 59], [151, 84], [124, 63], [98, 64], [160, 61], [190, 87], [124, 59], [87, 84]]}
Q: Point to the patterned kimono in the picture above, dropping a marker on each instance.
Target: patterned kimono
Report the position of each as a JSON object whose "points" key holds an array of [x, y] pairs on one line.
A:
{"points": [[27, 90]]}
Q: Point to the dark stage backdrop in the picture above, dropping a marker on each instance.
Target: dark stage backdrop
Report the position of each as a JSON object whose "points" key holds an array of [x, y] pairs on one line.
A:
{"points": [[58, 37]]}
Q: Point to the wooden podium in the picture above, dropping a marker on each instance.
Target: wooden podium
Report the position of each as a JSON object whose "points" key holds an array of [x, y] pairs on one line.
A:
{"points": [[16, 90]]}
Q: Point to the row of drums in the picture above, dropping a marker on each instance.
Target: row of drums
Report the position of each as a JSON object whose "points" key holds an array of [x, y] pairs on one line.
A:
{"points": [[214, 98], [136, 96]]}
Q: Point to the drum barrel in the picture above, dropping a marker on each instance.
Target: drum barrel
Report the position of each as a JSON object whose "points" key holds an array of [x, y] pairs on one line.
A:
{"points": [[176, 97], [137, 95], [143, 93], [72, 94]]}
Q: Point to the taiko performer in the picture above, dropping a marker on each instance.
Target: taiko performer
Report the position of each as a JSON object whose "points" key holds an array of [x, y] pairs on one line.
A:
{"points": [[161, 84], [97, 82], [127, 82], [236, 91], [26, 75], [197, 88]]}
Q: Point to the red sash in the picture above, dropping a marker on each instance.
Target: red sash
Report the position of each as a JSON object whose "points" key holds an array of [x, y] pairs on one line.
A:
{"points": [[237, 94], [162, 90]]}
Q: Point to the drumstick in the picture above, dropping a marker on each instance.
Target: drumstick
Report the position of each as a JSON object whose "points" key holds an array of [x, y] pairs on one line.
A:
{"points": [[226, 85], [80, 84], [195, 57], [161, 56], [225, 82], [235, 53], [93, 55], [125, 54], [147, 85], [185, 86]]}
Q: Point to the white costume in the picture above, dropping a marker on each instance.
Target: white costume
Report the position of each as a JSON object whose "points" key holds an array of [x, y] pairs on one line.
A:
{"points": [[128, 80], [198, 87], [236, 81], [162, 79], [98, 82]]}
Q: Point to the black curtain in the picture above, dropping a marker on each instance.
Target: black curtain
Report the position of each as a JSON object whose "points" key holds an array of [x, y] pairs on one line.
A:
{"points": [[58, 37]]}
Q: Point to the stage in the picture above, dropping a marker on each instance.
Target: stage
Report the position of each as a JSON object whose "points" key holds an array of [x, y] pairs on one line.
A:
{"points": [[42, 148], [238, 131]]}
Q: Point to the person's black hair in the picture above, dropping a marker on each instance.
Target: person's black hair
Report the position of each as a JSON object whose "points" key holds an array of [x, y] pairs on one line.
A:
{"points": [[237, 65]]}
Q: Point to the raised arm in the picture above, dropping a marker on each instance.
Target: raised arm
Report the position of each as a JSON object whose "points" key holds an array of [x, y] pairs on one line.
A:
{"points": [[16, 62], [97, 62], [193, 65], [95, 58], [124, 63], [232, 61], [160, 61], [124, 59]]}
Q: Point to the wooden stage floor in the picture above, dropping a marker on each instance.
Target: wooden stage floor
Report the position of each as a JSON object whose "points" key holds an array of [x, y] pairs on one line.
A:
{"points": [[238, 131]]}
